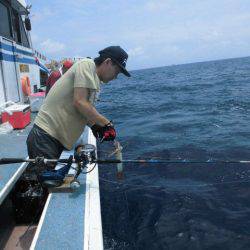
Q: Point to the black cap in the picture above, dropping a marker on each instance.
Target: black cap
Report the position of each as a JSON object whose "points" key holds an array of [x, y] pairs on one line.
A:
{"points": [[118, 56]]}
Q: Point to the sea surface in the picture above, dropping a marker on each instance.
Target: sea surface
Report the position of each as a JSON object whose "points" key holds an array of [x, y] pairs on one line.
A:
{"points": [[198, 111]]}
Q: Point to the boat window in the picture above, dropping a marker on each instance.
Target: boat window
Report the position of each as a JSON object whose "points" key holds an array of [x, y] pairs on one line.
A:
{"points": [[25, 41], [16, 27], [5, 28]]}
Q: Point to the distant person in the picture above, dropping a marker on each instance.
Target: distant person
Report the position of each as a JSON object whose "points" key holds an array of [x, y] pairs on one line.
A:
{"points": [[55, 75], [69, 107]]}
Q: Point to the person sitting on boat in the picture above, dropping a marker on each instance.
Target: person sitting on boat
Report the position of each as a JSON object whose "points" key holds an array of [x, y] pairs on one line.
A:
{"points": [[55, 75], [69, 107]]}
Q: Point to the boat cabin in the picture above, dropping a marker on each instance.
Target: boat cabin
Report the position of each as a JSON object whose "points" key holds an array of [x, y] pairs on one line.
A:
{"points": [[21, 67]]}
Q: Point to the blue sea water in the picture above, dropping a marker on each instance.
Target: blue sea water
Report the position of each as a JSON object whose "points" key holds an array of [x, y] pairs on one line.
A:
{"points": [[198, 111]]}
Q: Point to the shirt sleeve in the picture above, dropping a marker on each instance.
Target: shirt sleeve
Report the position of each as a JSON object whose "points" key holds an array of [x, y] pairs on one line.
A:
{"points": [[84, 76], [54, 76], [48, 80]]}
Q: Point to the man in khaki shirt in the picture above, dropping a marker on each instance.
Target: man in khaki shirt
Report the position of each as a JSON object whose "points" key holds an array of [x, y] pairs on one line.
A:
{"points": [[69, 106]]}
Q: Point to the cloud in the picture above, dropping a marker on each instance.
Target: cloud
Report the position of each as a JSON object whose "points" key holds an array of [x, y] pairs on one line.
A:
{"points": [[52, 47], [78, 3], [35, 38], [136, 51], [153, 32], [156, 5], [42, 15]]}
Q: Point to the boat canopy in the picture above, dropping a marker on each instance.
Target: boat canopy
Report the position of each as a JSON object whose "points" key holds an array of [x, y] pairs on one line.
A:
{"points": [[20, 6], [43, 68]]}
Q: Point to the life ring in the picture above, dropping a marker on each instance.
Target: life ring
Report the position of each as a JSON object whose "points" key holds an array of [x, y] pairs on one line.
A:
{"points": [[26, 85]]}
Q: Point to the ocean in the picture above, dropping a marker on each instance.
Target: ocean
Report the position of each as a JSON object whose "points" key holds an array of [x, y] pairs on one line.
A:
{"points": [[198, 111]]}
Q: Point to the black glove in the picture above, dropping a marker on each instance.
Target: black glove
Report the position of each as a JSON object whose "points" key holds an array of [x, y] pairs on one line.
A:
{"points": [[97, 131], [106, 133]]}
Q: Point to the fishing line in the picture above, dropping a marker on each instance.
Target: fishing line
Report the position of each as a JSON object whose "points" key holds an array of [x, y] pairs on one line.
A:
{"points": [[129, 222], [184, 185], [89, 171]]}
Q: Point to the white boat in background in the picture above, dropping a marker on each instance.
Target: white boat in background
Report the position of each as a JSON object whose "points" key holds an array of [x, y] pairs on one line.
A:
{"points": [[21, 67]]}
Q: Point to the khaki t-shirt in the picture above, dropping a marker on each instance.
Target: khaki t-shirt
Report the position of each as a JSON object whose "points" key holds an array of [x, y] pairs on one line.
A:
{"points": [[58, 116]]}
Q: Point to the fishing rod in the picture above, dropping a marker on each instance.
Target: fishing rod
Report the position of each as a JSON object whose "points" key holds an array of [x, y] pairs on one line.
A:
{"points": [[155, 161], [5, 161], [85, 155]]}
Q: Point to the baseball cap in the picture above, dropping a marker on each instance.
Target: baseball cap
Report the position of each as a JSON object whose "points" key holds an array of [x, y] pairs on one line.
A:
{"points": [[118, 56], [67, 64]]}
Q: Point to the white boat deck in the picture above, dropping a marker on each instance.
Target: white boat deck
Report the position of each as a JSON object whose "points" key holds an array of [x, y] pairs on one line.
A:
{"points": [[12, 145]]}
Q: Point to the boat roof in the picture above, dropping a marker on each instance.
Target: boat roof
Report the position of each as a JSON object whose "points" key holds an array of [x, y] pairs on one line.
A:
{"points": [[22, 2], [20, 6]]}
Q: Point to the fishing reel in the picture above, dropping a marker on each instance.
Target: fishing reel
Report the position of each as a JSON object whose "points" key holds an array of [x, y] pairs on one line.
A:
{"points": [[84, 155]]}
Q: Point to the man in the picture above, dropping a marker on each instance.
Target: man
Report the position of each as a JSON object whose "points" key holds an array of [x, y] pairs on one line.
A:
{"points": [[55, 75], [69, 106]]}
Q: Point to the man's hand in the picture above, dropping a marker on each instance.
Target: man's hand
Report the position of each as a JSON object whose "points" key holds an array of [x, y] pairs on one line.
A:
{"points": [[106, 133]]}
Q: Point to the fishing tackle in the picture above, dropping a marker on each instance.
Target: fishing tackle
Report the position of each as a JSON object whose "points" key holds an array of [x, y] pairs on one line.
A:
{"points": [[84, 156]]}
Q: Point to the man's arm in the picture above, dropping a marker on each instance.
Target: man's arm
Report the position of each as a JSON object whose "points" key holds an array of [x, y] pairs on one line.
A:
{"points": [[81, 102]]}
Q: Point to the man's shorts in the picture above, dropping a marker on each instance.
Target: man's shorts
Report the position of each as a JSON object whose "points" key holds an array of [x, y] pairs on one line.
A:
{"points": [[40, 143]]}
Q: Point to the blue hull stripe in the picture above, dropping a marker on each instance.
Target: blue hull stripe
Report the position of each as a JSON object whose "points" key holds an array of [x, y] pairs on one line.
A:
{"points": [[27, 60], [7, 57], [23, 52], [13, 49], [6, 47], [12, 58]]}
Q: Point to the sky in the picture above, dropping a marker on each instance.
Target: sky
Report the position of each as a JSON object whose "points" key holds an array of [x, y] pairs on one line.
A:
{"points": [[154, 33]]}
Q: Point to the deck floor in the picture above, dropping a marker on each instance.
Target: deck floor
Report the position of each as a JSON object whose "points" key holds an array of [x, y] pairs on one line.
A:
{"points": [[13, 145], [14, 236]]}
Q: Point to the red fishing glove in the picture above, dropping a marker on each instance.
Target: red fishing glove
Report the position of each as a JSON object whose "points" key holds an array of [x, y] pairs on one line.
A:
{"points": [[106, 133]]}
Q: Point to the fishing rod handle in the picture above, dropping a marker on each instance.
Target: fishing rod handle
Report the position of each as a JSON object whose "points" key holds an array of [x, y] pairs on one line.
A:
{"points": [[13, 160], [6, 161], [107, 161]]}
